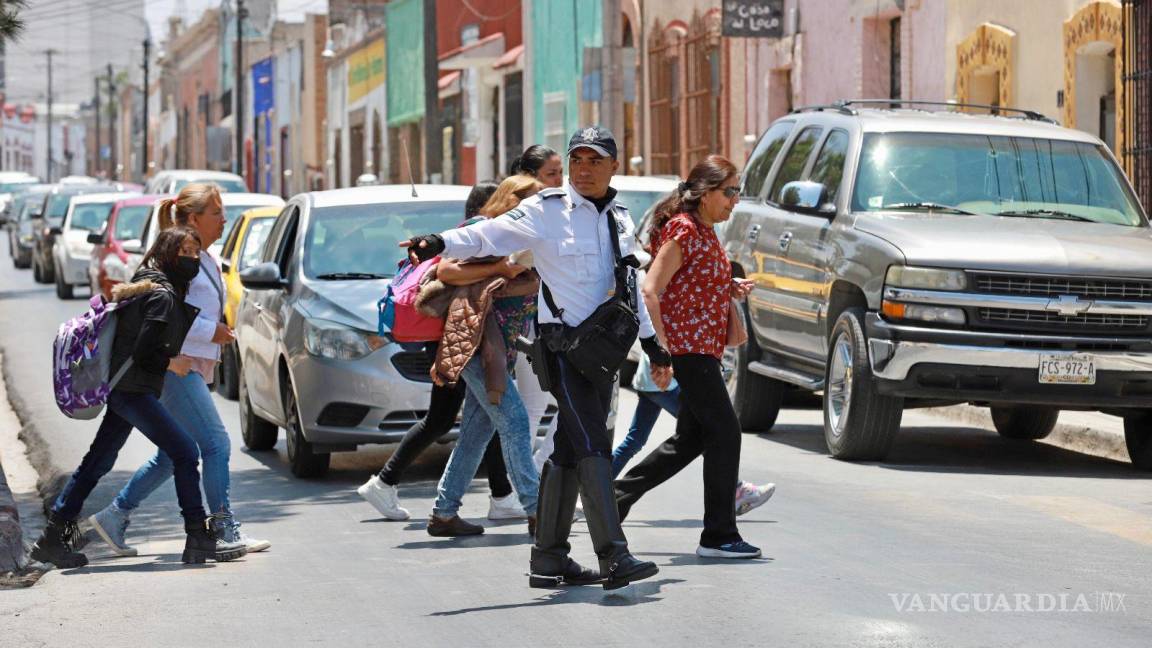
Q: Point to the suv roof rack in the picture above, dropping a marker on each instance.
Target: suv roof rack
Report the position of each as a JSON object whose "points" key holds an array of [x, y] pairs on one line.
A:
{"points": [[840, 107], [1027, 114]]}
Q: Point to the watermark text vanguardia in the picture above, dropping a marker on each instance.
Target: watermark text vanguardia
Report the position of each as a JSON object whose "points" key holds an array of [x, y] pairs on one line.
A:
{"points": [[992, 602]]}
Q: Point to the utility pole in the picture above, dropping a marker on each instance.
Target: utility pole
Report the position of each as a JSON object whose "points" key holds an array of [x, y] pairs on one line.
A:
{"points": [[96, 103], [433, 146], [238, 114], [48, 167], [144, 155], [114, 175], [611, 74]]}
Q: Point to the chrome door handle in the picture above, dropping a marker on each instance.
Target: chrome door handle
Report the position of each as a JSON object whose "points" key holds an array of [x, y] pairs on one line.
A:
{"points": [[785, 240], [753, 233]]}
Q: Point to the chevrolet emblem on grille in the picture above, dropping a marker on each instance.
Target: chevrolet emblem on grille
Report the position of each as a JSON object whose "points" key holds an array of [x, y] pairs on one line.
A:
{"points": [[1068, 305]]}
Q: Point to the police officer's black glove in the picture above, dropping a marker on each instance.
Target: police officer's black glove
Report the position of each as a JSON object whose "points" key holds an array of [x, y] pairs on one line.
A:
{"points": [[657, 355], [433, 245]]}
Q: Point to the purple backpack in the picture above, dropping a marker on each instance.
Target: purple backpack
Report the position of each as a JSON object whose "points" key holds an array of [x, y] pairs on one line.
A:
{"points": [[81, 360]]}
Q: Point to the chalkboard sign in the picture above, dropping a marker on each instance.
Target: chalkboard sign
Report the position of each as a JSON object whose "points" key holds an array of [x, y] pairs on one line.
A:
{"points": [[753, 18]]}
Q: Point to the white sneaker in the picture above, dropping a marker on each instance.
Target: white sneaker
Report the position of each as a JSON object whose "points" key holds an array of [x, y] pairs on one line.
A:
{"points": [[749, 496], [384, 498], [505, 508]]}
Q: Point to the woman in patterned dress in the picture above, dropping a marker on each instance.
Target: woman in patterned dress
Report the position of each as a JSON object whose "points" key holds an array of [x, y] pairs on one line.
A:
{"points": [[688, 291]]}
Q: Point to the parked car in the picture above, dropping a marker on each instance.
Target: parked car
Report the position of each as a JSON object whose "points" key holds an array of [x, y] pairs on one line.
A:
{"points": [[242, 249], [312, 360], [87, 215], [172, 181], [18, 215], [913, 257], [640, 193], [117, 247], [11, 182], [51, 218]]}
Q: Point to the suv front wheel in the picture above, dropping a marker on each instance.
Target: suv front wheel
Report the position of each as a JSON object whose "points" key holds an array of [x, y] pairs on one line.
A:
{"points": [[859, 423], [1138, 438]]}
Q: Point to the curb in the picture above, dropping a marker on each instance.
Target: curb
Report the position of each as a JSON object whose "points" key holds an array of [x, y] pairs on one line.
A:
{"points": [[1089, 439], [38, 453]]}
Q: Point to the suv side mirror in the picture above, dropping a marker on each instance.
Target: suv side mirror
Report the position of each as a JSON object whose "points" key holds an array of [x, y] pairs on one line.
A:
{"points": [[265, 276], [806, 196]]}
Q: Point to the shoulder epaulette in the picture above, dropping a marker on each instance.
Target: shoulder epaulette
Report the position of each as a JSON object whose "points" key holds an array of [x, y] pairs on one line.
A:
{"points": [[552, 192]]}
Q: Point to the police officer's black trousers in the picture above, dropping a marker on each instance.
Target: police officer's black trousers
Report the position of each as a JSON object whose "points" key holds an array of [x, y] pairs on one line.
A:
{"points": [[582, 427]]}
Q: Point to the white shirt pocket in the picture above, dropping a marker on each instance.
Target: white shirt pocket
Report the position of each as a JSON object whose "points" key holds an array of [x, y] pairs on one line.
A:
{"points": [[578, 256]]}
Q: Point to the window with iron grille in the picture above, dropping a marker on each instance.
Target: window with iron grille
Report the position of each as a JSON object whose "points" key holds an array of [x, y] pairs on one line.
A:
{"points": [[687, 91], [1138, 96]]}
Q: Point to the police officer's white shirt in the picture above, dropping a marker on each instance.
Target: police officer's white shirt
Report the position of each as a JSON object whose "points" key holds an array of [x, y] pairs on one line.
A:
{"points": [[570, 244]]}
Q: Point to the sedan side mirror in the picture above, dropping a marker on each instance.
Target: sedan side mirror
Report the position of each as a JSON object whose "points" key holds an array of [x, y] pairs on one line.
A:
{"points": [[132, 246], [95, 238], [807, 196], [55, 231], [265, 276]]}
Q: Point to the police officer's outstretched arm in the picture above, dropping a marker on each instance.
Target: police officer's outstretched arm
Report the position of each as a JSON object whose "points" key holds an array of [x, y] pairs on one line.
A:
{"points": [[517, 230]]}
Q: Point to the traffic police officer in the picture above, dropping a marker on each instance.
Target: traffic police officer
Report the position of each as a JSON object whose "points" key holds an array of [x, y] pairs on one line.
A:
{"points": [[567, 230]]}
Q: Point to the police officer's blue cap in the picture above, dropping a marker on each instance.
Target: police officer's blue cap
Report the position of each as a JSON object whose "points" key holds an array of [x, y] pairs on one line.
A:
{"points": [[597, 138]]}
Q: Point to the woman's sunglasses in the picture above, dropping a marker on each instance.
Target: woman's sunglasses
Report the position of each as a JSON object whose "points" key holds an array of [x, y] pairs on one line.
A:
{"points": [[731, 192]]}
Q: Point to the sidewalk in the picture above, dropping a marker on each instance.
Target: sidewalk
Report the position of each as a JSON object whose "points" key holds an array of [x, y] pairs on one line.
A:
{"points": [[1093, 433]]}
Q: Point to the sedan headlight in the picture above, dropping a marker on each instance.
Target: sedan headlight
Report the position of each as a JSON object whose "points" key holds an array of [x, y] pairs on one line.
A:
{"points": [[925, 278], [339, 342]]}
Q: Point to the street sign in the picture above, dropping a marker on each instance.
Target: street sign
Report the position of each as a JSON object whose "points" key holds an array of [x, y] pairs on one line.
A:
{"points": [[753, 18]]}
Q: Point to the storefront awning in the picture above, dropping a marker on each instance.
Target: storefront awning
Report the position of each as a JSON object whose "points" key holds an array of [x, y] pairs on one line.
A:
{"points": [[449, 84], [482, 53], [512, 58]]}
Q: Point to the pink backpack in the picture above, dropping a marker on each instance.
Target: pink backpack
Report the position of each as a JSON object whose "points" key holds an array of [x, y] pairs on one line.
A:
{"points": [[398, 314]]}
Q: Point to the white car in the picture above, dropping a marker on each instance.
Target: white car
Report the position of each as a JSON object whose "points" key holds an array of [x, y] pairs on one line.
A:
{"points": [[641, 193], [10, 182], [234, 205], [172, 181], [87, 214]]}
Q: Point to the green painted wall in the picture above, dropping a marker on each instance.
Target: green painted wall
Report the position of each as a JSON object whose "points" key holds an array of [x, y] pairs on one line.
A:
{"points": [[561, 29]]}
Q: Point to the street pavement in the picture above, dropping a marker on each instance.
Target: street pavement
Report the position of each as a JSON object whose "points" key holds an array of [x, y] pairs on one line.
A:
{"points": [[959, 539]]}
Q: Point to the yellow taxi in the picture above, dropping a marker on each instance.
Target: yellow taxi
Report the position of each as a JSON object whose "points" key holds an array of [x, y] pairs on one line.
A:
{"points": [[241, 249]]}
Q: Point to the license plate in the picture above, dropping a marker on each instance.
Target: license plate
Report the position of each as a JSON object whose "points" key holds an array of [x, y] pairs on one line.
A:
{"points": [[1067, 370]]}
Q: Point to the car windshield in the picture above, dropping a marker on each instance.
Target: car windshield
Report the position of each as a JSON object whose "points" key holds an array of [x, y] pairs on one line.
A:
{"points": [[11, 187], [1009, 176], [236, 186], [638, 202], [362, 241], [231, 216], [130, 222], [90, 216], [254, 241], [57, 206]]}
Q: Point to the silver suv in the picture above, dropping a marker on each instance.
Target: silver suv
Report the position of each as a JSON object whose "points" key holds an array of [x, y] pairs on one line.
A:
{"points": [[911, 257]]}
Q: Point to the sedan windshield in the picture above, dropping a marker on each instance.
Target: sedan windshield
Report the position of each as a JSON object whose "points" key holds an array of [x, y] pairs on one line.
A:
{"points": [[130, 222], [236, 186], [90, 216], [1004, 176], [362, 241]]}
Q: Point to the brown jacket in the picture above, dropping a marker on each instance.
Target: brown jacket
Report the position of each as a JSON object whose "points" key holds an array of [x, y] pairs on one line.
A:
{"points": [[470, 327]]}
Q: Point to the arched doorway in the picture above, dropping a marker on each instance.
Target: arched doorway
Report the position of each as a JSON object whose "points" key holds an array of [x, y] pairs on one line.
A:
{"points": [[984, 66], [1093, 72]]}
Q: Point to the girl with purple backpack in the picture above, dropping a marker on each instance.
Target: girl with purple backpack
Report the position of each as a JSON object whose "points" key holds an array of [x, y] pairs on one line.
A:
{"points": [[149, 333]]}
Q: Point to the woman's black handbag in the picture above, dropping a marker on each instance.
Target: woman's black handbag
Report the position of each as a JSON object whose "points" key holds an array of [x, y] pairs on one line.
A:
{"points": [[599, 345]]}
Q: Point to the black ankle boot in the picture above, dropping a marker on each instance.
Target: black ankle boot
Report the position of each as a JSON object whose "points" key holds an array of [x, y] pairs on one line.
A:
{"points": [[202, 544], [57, 544], [550, 565], [617, 565]]}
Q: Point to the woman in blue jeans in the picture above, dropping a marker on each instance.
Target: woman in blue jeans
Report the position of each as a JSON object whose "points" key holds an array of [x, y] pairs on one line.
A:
{"points": [[481, 418], [186, 395], [149, 333]]}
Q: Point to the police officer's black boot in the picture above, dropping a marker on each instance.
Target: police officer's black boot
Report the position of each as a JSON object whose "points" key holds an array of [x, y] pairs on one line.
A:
{"points": [[550, 565], [57, 544], [617, 565]]}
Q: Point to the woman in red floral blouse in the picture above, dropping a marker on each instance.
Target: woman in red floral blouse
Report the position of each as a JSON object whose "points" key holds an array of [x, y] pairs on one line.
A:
{"points": [[688, 291]]}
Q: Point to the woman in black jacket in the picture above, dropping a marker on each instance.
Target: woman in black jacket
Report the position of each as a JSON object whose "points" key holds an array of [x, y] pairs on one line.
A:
{"points": [[149, 332]]}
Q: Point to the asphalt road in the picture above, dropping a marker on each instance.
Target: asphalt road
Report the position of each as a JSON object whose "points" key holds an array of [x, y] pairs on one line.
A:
{"points": [[959, 539]]}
